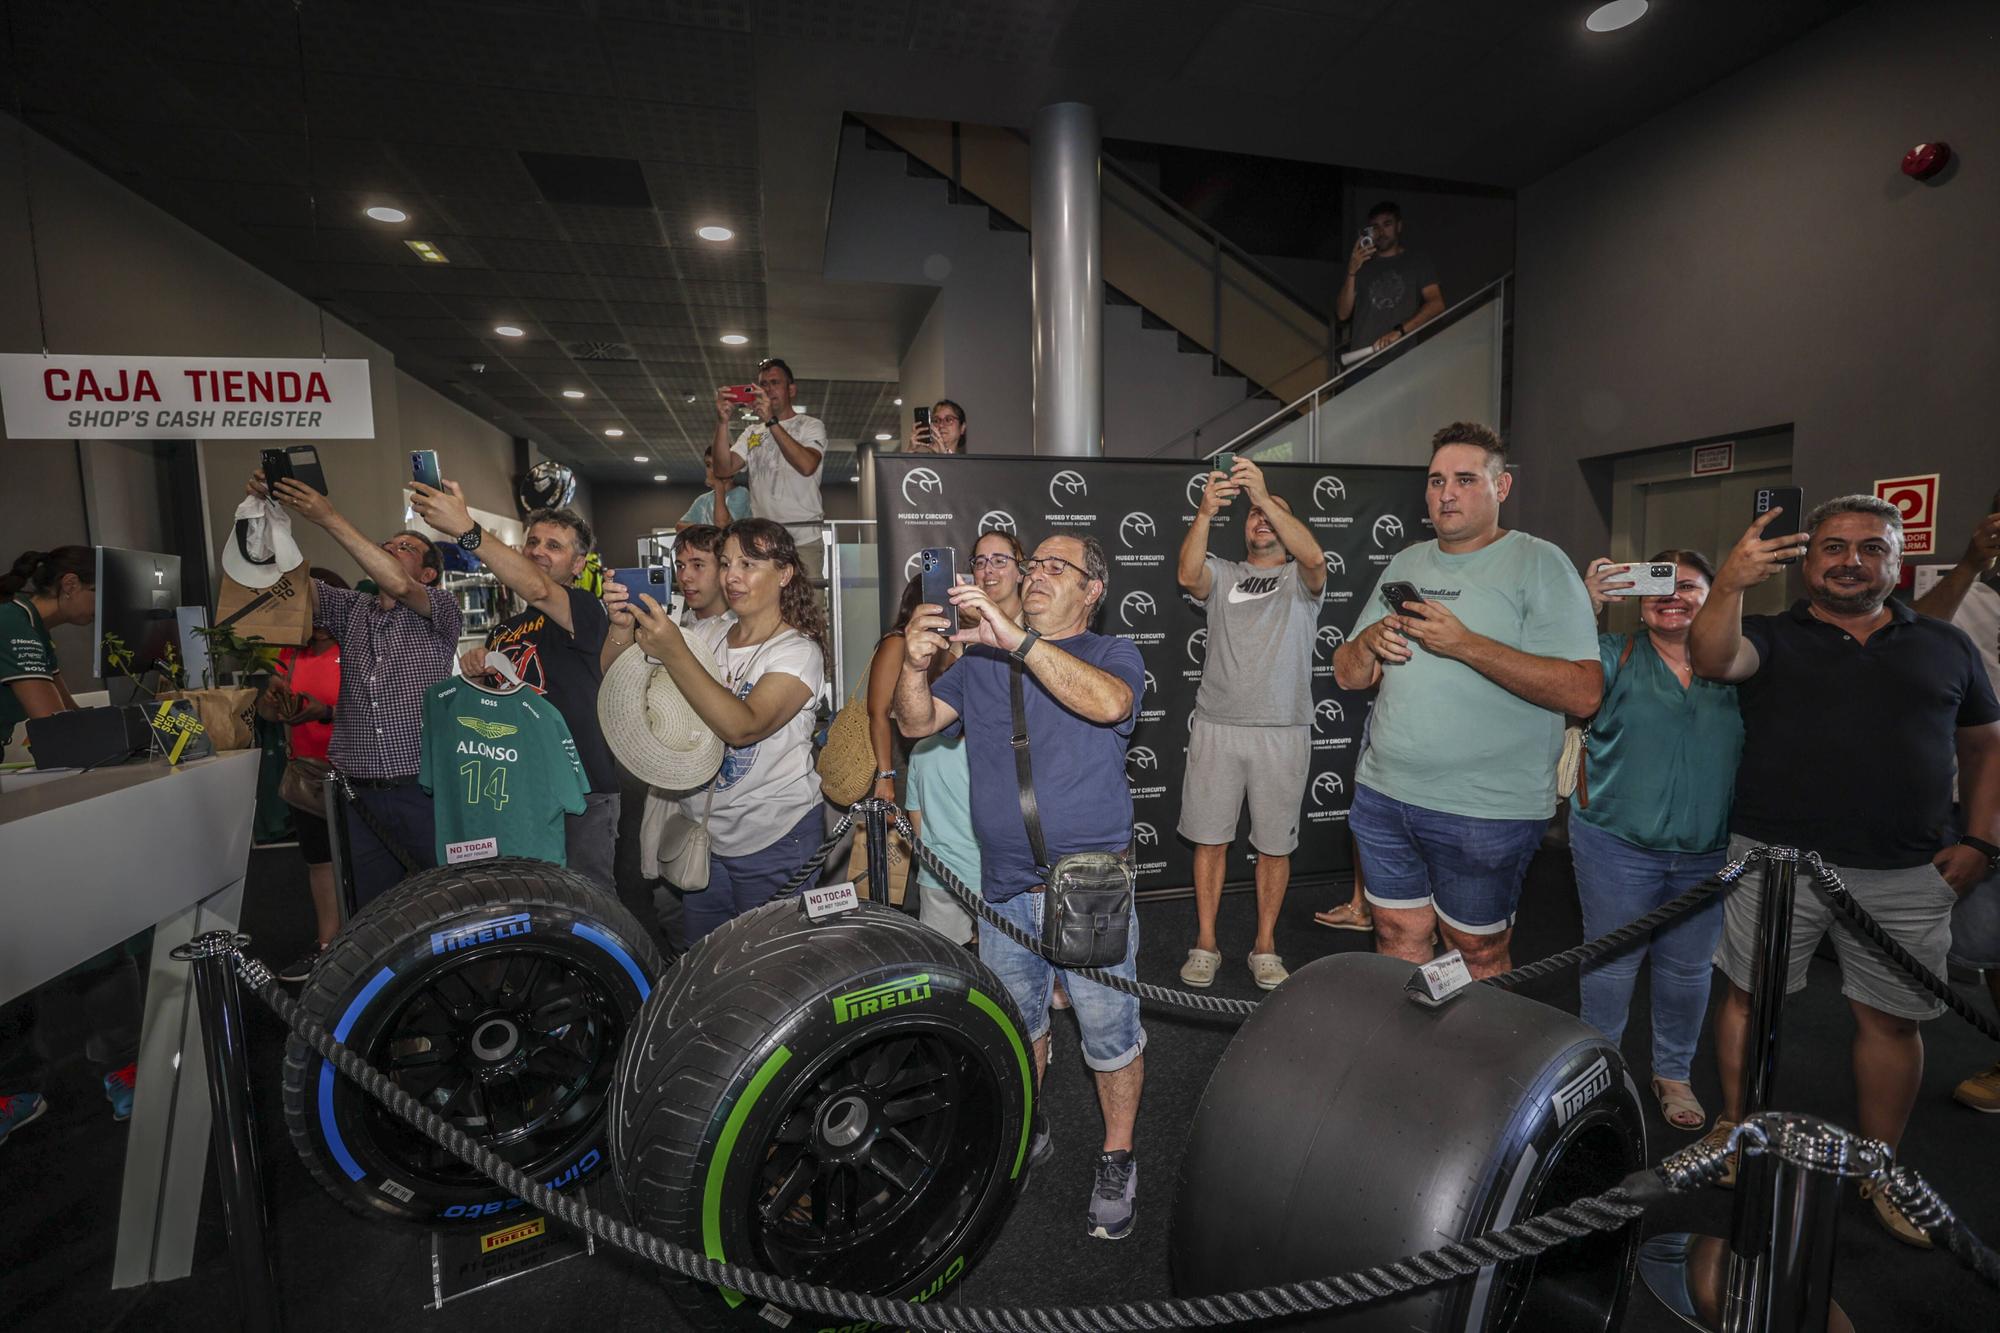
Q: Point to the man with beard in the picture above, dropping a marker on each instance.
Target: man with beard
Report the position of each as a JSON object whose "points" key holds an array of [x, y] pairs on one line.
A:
{"points": [[554, 647], [1251, 738], [1390, 291], [1850, 687]]}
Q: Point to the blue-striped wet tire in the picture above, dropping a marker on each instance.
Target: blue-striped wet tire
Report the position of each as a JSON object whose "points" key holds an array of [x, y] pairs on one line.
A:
{"points": [[844, 1102], [497, 993]]}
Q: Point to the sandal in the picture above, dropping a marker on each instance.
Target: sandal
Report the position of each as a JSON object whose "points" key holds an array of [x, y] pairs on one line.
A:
{"points": [[1344, 917], [1679, 1109]]}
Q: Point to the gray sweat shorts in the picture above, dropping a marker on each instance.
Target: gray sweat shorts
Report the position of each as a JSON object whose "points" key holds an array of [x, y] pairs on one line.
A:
{"points": [[1226, 765]]}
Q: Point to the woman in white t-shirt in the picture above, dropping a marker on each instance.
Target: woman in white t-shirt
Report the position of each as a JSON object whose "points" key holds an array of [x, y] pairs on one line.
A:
{"points": [[763, 809]]}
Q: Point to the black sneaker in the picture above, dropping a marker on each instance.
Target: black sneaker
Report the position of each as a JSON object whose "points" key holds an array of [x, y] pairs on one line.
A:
{"points": [[1043, 1145], [295, 972], [1114, 1202]]}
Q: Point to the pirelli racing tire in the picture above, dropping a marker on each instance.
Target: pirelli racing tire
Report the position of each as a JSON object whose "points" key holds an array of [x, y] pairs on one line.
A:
{"points": [[1347, 1125], [498, 993], [844, 1102]]}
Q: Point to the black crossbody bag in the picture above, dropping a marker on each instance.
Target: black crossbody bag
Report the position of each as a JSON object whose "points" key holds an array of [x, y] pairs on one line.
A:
{"points": [[1087, 903]]}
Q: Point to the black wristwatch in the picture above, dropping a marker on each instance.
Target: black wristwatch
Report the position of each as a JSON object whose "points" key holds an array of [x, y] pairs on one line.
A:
{"points": [[1984, 848], [769, 424], [1020, 654], [470, 540]]}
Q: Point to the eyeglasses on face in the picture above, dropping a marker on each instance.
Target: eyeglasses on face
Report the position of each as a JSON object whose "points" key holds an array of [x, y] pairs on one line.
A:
{"points": [[1051, 565], [994, 562]]}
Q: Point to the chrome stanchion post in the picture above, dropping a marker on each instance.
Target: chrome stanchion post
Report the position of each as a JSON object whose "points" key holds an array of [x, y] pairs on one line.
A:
{"points": [[875, 825], [234, 1134], [1803, 1165], [1751, 1223]]}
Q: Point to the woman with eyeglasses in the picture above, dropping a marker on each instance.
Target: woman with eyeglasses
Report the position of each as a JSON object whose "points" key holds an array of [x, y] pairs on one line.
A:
{"points": [[938, 793], [944, 435]]}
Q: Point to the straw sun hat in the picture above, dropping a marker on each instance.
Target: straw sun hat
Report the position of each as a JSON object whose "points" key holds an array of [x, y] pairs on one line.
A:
{"points": [[650, 727]]}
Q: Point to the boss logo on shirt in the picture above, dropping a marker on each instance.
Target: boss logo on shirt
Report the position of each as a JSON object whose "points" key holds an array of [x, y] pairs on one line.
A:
{"points": [[480, 932]]}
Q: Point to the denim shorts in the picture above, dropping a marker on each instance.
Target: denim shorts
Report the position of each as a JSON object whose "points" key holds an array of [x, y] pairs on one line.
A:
{"points": [[1466, 869], [1112, 1036]]}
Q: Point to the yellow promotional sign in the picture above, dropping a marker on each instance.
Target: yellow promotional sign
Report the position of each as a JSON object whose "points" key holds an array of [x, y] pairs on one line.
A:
{"points": [[498, 1240], [176, 723]]}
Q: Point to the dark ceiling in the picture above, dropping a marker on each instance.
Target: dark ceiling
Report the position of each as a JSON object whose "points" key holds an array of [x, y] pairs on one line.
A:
{"points": [[562, 153]]}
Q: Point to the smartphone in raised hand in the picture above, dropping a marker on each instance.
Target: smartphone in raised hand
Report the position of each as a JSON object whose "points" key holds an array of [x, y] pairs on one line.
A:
{"points": [[938, 567], [424, 468], [1792, 500]]}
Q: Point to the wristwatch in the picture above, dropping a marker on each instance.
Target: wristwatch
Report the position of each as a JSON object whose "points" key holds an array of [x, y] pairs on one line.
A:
{"points": [[470, 540], [1020, 654], [884, 773], [772, 422], [1984, 848]]}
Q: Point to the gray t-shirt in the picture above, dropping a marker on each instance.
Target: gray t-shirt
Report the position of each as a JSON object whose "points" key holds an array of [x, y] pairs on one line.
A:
{"points": [[1261, 622], [1387, 291]]}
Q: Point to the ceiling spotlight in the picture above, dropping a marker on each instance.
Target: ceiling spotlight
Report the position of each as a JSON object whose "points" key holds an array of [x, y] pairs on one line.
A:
{"points": [[572, 393], [506, 330], [1618, 14], [734, 339], [714, 233], [384, 213], [641, 458], [884, 436], [687, 397], [659, 476], [613, 431], [427, 252], [898, 402]]}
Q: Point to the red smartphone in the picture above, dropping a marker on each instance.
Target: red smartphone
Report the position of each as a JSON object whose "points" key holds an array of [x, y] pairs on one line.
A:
{"points": [[740, 393]]}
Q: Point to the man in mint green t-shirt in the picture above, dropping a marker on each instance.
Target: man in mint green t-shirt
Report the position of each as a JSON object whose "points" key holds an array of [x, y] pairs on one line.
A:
{"points": [[1459, 777]]}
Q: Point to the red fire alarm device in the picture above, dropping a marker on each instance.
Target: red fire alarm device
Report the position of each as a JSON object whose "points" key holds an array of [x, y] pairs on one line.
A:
{"points": [[1926, 160]]}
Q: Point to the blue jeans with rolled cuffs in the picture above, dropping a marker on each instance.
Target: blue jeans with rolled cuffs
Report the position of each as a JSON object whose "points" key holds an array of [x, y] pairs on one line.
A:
{"points": [[737, 884], [1467, 869], [1618, 882], [1112, 1035]]}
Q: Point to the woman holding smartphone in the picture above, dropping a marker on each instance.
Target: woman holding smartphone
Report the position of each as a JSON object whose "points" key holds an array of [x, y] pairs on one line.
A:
{"points": [[763, 811], [1650, 819], [942, 432]]}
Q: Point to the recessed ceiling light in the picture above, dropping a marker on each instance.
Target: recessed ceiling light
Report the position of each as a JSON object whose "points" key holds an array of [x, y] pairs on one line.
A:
{"points": [[659, 476], [427, 252], [734, 339], [687, 397], [898, 402], [613, 431], [714, 233], [506, 330], [384, 213], [572, 393], [884, 436], [1618, 14], [641, 458]]}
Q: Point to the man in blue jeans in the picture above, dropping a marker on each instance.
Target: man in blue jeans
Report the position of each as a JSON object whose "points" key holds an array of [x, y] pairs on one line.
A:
{"points": [[1080, 697], [1459, 778]]}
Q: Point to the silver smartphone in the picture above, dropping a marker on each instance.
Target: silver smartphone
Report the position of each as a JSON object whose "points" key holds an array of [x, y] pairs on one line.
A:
{"points": [[1649, 578]]}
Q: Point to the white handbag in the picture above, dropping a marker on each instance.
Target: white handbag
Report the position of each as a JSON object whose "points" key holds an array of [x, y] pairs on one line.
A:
{"points": [[683, 849]]}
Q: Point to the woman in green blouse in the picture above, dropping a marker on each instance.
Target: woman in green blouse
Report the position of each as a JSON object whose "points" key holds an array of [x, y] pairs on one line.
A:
{"points": [[1650, 818]]}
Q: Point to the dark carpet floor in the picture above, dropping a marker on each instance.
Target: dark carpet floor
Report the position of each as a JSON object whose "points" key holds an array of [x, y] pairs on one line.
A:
{"points": [[340, 1273]]}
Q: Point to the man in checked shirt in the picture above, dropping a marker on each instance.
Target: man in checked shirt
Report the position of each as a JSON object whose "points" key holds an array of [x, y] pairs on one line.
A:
{"points": [[393, 646]]}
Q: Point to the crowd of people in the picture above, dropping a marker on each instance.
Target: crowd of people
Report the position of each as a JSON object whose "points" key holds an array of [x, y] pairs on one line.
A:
{"points": [[1000, 722]]}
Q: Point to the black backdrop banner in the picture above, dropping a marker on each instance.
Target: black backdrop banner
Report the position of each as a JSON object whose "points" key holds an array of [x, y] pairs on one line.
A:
{"points": [[1140, 510]]}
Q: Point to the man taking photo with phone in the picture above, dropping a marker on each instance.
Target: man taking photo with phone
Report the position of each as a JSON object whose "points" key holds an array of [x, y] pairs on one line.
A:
{"points": [[1251, 737], [1390, 291], [782, 451], [1459, 777]]}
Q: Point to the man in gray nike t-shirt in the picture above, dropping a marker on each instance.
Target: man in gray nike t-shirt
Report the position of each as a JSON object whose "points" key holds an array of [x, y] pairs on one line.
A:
{"points": [[1251, 737]]}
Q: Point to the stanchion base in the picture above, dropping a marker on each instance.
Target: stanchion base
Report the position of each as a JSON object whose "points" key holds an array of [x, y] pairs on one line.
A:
{"points": [[1686, 1272]]}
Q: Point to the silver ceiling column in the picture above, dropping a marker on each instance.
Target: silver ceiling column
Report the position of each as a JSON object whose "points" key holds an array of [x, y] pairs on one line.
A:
{"points": [[1068, 282]]}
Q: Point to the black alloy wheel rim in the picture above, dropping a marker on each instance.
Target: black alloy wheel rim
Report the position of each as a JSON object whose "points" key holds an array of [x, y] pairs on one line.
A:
{"points": [[515, 1048], [880, 1162], [1574, 1288]]}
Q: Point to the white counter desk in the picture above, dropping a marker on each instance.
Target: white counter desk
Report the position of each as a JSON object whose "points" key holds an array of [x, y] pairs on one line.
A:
{"points": [[88, 860]]}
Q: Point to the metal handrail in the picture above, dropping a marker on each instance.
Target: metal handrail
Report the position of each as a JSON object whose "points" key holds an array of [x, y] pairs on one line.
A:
{"points": [[1451, 315]]}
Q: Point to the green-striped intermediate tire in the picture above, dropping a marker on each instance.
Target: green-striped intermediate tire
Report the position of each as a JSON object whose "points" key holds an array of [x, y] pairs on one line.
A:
{"points": [[844, 1101]]}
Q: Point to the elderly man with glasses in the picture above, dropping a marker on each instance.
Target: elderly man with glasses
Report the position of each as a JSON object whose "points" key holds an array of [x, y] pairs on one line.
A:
{"points": [[1081, 694]]}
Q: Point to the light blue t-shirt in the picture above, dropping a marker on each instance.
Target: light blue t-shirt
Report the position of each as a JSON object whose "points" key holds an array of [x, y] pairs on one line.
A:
{"points": [[1444, 737], [703, 508], [939, 789]]}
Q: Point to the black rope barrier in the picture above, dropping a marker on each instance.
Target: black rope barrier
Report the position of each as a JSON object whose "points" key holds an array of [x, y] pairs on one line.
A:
{"points": [[1609, 1211]]}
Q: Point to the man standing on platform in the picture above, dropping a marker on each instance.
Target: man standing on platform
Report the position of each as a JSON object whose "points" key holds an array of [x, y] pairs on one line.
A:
{"points": [[554, 647], [1491, 643], [394, 645], [1251, 738], [783, 451], [1080, 699], [1855, 711]]}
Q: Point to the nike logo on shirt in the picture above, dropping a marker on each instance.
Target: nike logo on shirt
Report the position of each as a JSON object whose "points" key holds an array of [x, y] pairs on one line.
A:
{"points": [[1253, 590]]}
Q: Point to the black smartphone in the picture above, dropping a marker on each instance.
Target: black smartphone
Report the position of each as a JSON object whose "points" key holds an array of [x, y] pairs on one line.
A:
{"points": [[424, 468], [938, 567], [647, 578], [923, 418], [303, 460], [1792, 500], [277, 465], [1396, 592]]}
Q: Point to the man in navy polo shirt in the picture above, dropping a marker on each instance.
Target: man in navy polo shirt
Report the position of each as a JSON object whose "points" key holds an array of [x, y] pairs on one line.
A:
{"points": [[1080, 696], [1854, 709]]}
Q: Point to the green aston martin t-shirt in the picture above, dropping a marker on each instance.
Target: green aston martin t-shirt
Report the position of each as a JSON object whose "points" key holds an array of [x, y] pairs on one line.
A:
{"points": [[501, 769], [26, 653]]}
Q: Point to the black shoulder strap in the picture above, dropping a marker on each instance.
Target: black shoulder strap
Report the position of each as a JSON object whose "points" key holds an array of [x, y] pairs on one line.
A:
{"points": [[1024, 772]]}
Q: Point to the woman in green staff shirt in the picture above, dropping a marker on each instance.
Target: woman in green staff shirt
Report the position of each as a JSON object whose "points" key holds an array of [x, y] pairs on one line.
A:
{"points": [[42, 590]]}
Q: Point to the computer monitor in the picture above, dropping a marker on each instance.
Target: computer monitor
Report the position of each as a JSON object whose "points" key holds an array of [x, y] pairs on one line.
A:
{"points": [[138, 595]]}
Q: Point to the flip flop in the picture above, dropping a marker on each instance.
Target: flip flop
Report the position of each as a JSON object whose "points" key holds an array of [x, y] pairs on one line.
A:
{"points": [[1346, 919], [1680, 1110]]}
